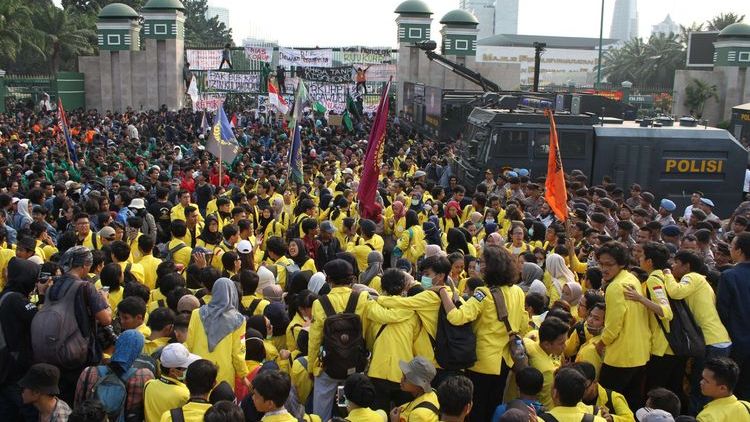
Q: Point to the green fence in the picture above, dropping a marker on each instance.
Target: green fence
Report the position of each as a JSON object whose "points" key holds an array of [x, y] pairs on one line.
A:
{"points": [[28, 90]]}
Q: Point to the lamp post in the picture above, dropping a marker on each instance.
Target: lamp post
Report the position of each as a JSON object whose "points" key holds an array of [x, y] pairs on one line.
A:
{"points": [[601, 39]]}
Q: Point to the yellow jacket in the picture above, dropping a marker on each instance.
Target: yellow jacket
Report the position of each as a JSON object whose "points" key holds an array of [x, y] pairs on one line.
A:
{"points": [[588, 353], [571, 414], [492, 336], [397, 328], [616, 405], [655, 291], [192, 411], [547, 365], [161, 395], [412, 243], [339, 296], [228, 355], [701, 300], [725, 409], [292, 331], [178, 212], [410, 412], [301, 379], [247, 300], [181, 256], [149, 264], [626, 331]]}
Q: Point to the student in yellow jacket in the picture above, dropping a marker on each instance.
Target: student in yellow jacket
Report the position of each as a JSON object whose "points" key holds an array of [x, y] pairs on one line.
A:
{"points": [[719, 378], [217, 332], [360, 396], [626, 335], [340, 275], [168, 391], [417, 376], [200, 379], [567, 393], [491, 369], [613, 402], [269, 393], [544, 354], [411, 244]]}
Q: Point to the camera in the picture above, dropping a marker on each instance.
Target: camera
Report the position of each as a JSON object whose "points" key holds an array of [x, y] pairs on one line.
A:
{"points": [[341, 397]]}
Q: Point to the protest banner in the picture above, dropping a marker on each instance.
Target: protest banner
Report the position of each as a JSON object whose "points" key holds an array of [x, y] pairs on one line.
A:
{"points": [[263, 54], [376, 72], [335, 120], [233, 82], [333, 96], [351, 55], [263, 104], [334, 75], [203, 59], [209, 102], [289, 57]]}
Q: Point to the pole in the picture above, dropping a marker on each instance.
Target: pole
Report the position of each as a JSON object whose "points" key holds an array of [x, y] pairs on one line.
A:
{"points": [[221, 166], [601, 39]]}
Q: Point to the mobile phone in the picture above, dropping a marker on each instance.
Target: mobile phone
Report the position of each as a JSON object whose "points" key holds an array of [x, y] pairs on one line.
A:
{"points": [[43, 277], [341, 397]]}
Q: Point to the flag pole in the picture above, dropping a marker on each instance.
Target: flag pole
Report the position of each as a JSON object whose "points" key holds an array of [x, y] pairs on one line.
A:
{"points": [[221, 166]]}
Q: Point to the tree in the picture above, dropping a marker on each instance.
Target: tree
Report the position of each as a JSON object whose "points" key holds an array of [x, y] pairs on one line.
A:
{"points": [[60, 34], [94, 6], [665, 55], [15, 24], [697, 93], [625, 63], [723, 20], [200, 31], [686, 30]]}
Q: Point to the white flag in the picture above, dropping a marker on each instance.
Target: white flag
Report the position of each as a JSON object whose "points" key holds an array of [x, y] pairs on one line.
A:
{"points": [[193, 91]]}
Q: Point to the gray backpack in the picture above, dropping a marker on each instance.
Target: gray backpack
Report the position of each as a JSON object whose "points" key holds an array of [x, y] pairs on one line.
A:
{"points": [[55, 336]]}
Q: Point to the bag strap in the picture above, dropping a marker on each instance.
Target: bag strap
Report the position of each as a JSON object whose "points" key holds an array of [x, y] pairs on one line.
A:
{"points": [[380, 331], [351, 305], [429, 406], [658, 320], [325, 302], [94, 242], [128, 267], [746, 406], [177, 414], [253, 305], [502, 308], [587, 418], [609, 404]]}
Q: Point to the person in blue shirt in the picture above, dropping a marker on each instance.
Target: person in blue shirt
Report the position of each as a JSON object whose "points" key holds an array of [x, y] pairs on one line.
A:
{"points": [[530, 381]]}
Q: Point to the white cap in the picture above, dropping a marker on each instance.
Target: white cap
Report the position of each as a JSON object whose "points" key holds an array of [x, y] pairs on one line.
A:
{"points": [[137, 203], [244, 246], [175, 355]]}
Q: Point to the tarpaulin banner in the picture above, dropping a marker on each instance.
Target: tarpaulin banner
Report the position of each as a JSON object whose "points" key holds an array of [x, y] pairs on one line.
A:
{"points": [[351, 55], [376, 72], [333, 96], [263, 54], [233, 82], [263, 104], [204, 59], [292, 57], [334, 75], [209, 102]]}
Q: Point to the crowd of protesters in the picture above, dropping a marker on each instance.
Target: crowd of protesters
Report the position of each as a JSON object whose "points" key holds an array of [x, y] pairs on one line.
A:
{"points": [[142, 281]]}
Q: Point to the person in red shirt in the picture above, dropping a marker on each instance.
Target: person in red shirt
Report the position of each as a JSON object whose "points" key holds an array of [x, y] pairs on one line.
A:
{"points": [[188, 183]]}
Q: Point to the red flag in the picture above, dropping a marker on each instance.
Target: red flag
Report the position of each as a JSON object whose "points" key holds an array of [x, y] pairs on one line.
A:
{"points": [[233, 121], [555, 192], [368, 183]]}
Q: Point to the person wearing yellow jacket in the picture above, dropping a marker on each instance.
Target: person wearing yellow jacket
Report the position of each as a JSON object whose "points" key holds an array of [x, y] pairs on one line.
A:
{"points": [[567, 392], [340, 275], [489, 373], [394, 332], [418, 374], [411, 244], [719, 378], [596, 395], [626, 335], [664, 368], [217, 332], [544, 354]]}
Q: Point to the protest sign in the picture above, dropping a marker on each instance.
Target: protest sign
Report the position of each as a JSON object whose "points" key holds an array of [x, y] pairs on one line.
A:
{"points": [[263, 104], [203, 59], [333, 96], [263, 54], [334, 75], [234, 82], [289, 57], [376, 72], [351, 55], [209, 102]]}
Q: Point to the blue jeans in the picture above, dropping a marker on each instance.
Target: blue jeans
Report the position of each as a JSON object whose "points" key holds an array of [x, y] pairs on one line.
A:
{"points": [[324, 394], [698, 400]]}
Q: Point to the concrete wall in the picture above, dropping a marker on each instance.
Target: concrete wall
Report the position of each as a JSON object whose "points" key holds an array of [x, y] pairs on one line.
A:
{"points": [[733, 89]]}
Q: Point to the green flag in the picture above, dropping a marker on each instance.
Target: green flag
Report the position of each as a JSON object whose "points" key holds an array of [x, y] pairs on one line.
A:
{"points": [[347, 120], [319, 107], [300, 98], [351, 106]]}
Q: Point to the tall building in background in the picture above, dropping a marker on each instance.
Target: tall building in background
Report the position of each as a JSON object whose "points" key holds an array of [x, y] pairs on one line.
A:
{"points": [[666, 27], [506, 17], [220, 12], [624, 20], [484, 11]]}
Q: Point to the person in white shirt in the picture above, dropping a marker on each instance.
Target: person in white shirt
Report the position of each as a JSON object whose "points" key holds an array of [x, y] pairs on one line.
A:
{"points": [[695, 200]]}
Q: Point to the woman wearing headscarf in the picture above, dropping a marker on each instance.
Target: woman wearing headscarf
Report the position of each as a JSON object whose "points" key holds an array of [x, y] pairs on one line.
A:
{"points": [[262, 324], [279, 319], [451, 218], [210, 238], [127, 348], [299, 255], [217, 330], [22, 218], [299, 283], [557, 275], [371, 275], [432, 234], [571, 293], [411, 244], [317, 284], [457, 243], [529, 273]]}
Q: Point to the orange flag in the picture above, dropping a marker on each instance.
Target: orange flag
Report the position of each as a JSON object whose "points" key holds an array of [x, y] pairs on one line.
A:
{"points": [[554, 187]]}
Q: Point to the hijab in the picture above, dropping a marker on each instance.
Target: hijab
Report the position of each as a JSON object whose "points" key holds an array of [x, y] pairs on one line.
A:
{"points": [[561, 275], [374, 267], [431, 233], [221, 317], [318, 280], [211, 238], [127, 348], [263, 222], [398, 210], [457, 242], [574, 293], [529, 273], [23, 209], [22, 276], [302, 255]]}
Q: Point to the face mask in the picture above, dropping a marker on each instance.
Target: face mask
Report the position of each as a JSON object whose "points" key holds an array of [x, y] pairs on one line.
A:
{"points": [[269, 336], [426, 282], [415, 201], [531, 231], [489, 220], [594, 331], [477, 267]]}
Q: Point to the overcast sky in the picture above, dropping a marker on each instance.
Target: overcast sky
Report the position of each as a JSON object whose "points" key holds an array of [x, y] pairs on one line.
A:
{"points": [[336, 23]]}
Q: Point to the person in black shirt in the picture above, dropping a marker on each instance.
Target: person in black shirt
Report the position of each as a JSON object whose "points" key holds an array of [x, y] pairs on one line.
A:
{"points": [[161, 209], [203, 194], [226, 56], [16, 313]]}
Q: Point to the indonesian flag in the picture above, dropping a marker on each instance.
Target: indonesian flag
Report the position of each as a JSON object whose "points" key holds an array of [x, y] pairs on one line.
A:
{"points": [[277, 100], [555, 192], [233, 120]]}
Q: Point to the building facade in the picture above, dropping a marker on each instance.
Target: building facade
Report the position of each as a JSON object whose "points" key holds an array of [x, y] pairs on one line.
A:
{"points": [[665, 27], [624, 20], [506, 17]]}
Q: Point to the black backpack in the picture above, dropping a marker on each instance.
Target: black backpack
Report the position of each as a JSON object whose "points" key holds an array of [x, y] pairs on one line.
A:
{"points": [[455, 345], [344, 350], [685, 337]]}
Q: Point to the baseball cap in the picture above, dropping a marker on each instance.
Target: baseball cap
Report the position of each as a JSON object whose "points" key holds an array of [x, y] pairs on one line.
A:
{"points": [[244, 247], [176, 355], [419, 173], [14, 200], [327, 227], [668, 205], [419, 371], [42, 377], [646, 414], [107, 232]]}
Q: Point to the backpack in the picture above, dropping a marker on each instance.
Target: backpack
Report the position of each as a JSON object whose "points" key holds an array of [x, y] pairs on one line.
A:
{"points": [[344, 350], [685, 337], [515, 342], [169, 256], [111, 390], [291, 270], [55, 336], [7, 358], [455, 345], [293, 231], [250, 311], [429, 406]]}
